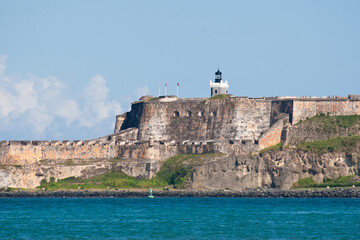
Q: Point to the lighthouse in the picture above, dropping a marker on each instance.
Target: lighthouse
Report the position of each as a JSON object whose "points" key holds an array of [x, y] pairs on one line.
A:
{"points": [[219, 87]]}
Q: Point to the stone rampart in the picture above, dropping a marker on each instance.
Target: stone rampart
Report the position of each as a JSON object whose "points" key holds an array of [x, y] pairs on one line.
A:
{"points": [[199, 119], [272, 136], [303, 108], [129, 134], [157, 150], [29, 152], [119, 122]]}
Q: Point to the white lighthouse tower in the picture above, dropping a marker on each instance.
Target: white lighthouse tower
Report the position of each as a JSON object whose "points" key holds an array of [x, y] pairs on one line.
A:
{"points": [[219, 87]]}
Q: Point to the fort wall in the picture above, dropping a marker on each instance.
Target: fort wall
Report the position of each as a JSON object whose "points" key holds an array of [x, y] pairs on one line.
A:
{"points": [[119, 122], [29, 152], [200, 119], [156, 129], [303, 108], [272, 136], [156, 150]]}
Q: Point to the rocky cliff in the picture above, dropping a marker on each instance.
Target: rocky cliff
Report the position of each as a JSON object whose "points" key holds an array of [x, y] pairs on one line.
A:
{"points": [[273, 169]]}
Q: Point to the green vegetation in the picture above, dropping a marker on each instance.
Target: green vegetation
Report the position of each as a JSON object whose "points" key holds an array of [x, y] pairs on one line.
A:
{"points": [[69, 162], [347, 121], [10, 165], [328, 125], [114, 160], [75, 162], [339, 144], [219, 97], [175, 171], [112, 179], [332, 122], [178, 169], [304, 183], [8, 189], [152, 99], [276, 147], [337, 182]]}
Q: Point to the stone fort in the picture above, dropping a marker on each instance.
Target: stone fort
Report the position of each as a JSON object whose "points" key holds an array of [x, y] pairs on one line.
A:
{"points": [[157, 128]]}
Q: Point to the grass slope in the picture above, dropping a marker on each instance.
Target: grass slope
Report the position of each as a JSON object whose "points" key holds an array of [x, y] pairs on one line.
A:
{"points": [[339, 144], [219, 97], [276, 147], [330, 123], [309, 182]]}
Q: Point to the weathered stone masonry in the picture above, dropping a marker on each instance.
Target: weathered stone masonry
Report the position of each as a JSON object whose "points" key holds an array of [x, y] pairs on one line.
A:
{"points": [[29, 152], [255, 123], [158, 128], [198, 119]]}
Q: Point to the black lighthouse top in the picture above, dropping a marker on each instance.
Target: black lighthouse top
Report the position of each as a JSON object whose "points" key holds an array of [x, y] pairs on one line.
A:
{"points": [[218, 76]]}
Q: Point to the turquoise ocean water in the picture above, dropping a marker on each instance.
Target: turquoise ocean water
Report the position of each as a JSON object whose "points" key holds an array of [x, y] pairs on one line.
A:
{"points": [[179, 218]]}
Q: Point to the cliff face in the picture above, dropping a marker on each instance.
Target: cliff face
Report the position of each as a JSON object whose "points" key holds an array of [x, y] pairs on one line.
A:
{"points": [[29, 176], [274, 169]]}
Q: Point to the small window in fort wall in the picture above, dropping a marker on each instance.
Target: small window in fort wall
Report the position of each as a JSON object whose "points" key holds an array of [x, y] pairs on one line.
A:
{"points": [[176, 114], [201, 113], [213, 114], [216, 91], [189, 113]]}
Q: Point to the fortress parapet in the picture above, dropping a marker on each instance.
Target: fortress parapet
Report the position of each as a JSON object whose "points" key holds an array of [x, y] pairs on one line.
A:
{"points": [[155, 129]]}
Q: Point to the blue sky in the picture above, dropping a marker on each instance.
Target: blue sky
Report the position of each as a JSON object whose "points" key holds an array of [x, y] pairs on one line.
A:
{"points": [[67, 68]]}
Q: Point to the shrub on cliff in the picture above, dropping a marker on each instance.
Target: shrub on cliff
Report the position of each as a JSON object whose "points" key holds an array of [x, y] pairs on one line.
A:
{"points": [[305, 183], [309, 182], [219, 97], [276, 147], [176, 170]]}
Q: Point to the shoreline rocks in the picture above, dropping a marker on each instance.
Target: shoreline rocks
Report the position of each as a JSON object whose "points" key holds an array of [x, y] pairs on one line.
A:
{"points": [[254, 193]]}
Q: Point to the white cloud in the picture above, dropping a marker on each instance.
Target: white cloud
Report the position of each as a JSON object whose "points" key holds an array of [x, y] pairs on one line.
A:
{"points": [[37, 104], [39, 121], [70, 111], [96, 104], [17, 96], [96, 88], [142, 91]]}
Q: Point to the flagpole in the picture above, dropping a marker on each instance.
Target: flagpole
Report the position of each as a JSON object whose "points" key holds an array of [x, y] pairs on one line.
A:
{"points": [[165, 88], [177, 89]]}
